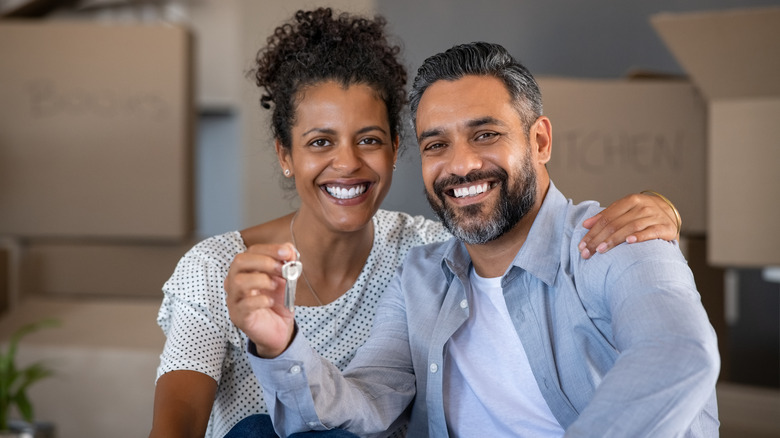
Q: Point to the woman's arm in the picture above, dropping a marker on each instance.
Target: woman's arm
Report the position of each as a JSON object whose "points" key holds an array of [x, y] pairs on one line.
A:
{"points": [[633, 218], [182, 404]]}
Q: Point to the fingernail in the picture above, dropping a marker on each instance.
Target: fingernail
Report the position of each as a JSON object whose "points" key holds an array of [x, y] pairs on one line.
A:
{"points": [[631, 239], [602, 248], [581, 246], [585, 253], [284, 252]]}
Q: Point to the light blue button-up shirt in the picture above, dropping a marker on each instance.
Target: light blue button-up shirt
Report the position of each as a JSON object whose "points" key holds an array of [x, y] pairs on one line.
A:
{"points": [[619, 344]]}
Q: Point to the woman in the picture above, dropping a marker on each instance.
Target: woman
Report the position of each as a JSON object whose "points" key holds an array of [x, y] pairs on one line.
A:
{"points": [[337, 88]]}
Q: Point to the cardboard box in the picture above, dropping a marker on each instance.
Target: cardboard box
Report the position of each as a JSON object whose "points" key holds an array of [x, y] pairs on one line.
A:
{"points": [[733, 57], [95, 130], [98, 269], [614, 137]]}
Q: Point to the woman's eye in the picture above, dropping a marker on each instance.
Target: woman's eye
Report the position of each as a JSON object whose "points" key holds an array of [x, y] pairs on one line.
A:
{"points": [[370, 141], [320, 142]]}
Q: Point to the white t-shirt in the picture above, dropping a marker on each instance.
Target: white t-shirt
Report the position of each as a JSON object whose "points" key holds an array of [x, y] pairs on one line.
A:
{"points": [[489, 388], [201, 337]]}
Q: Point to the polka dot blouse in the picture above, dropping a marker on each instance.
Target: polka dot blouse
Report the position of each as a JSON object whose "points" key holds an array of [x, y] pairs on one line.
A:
{"points": [[201, 337]]}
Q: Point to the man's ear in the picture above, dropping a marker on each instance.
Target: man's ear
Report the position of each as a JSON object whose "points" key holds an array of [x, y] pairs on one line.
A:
{"points": [[541, 139], [285, 158]]}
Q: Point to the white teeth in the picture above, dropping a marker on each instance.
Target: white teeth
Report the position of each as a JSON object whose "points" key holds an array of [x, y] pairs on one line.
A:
{"points": [[471, 190], [346, 193]]}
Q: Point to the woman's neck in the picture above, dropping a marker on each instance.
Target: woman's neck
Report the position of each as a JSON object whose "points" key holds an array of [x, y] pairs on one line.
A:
{"points": [[332, 259]]}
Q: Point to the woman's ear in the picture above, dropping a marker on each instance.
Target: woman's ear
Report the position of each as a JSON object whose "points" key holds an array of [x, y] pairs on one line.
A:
{"points": [[285, 158]]}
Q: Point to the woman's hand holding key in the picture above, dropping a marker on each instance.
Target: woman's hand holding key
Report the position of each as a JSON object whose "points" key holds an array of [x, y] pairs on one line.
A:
{"points": [[255, 287]]}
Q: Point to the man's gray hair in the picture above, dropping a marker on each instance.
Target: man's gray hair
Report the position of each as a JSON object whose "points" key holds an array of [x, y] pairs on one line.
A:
{"points": [[480, 59]]}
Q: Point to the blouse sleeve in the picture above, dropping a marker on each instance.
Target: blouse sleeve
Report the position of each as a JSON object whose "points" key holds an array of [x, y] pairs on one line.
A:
{"points": [[194, 315]]}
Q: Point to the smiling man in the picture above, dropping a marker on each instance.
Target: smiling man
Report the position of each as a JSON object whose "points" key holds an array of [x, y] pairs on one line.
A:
{"points": [[504, 330]]}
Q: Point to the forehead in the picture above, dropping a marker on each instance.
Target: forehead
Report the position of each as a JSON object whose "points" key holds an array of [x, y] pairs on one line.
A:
{"points": [[332, 104], [450, 103]]}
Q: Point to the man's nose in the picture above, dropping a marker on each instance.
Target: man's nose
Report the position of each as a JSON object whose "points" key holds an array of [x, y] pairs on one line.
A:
{"points": [[463, 159]]}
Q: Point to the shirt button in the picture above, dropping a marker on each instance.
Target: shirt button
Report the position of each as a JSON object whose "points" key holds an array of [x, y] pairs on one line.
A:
{"points": [[295, 369], [312, 424], [434, 368], [464, 304]]}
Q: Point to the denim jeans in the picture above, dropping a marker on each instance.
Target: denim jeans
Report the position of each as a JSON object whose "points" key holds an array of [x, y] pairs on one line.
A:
{"points": [[260, 426]]}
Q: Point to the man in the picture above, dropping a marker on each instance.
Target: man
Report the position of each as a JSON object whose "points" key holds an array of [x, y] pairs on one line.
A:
{"points": [[504, 330]]}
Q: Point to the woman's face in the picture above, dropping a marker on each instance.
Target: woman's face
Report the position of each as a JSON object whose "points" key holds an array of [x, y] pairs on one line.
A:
{"points": [[342, 153]]}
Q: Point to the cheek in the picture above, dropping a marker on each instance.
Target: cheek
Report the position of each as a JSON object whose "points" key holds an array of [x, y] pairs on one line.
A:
{"points": [[306, 170], [382, 163], [430, 171]]}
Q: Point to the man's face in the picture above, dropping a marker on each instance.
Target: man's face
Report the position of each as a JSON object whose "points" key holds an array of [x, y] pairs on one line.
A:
{"points": [[478, 166]]}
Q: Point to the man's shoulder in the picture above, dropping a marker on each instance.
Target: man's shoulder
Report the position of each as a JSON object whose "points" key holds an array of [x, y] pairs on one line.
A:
{"points": [[431, 252], [561, 218]]}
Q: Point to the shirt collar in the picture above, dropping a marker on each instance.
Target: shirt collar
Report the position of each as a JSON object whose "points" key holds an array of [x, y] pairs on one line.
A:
{"points": [[540, 254]]}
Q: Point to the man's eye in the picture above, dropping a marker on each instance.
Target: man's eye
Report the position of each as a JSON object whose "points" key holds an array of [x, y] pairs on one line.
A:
{"points": [[370, 141], [486, 135], [433, 146]]}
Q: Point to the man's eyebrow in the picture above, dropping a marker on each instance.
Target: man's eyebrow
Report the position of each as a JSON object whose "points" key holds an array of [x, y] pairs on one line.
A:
{"points": [[429, 133], [473, 123], [487, 120]]}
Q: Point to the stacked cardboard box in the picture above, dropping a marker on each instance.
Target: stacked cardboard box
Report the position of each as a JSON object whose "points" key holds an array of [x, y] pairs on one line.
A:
{"points": [[96, 135]]}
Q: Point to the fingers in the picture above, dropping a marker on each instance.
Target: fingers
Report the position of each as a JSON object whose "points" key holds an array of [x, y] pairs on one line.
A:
{"points": [[255, 296], [283, 252], [254, 279], [634, 218], [259, 268]]}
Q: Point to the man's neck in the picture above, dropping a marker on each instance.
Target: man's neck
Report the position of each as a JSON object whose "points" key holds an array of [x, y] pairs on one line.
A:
{"points": [[492, 259]]}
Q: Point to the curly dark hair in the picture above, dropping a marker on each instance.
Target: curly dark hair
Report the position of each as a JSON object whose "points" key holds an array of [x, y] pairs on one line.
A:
{"points": [[317, 46]]}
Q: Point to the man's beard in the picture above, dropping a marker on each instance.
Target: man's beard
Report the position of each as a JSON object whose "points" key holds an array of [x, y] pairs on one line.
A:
{"points": [[468, 223]]}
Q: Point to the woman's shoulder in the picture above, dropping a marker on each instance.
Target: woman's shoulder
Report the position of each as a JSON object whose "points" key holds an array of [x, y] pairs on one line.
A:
{"points": [[415, 230], [218, 247], [273, 231]]}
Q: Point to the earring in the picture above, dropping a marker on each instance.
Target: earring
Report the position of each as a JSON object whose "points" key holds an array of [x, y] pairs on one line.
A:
{"points": [[393, 167], [286, 172]]}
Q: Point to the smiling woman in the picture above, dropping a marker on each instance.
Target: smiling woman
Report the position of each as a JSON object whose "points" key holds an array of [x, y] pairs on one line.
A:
{"points": [[335, 85], [341, 156]]}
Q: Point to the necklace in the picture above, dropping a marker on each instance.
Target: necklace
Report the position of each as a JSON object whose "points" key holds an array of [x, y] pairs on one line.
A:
{"points": [[311, 289]]}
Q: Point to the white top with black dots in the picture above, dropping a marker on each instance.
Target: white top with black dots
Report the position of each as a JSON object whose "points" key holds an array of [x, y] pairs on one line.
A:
{"points": [[201, 337]]}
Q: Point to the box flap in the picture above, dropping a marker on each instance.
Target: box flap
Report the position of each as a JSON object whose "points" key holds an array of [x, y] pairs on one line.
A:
{"points": [[728, 54]]}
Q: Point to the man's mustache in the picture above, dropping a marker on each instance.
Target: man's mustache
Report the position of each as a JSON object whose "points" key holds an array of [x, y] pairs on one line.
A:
{"points": [[473, 176]]}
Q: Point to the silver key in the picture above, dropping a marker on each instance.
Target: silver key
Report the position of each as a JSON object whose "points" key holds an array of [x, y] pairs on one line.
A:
{"points": [[291, 271]]}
